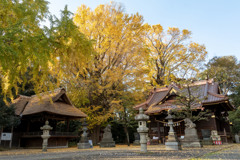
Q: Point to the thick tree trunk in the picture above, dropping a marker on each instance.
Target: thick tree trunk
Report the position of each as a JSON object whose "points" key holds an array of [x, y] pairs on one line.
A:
{"points": [[127, 135], [95, 135]]}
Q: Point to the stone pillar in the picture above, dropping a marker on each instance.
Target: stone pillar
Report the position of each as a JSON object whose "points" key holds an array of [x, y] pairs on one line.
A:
{"points": [[107, 140], [172, 142], [46, 128], [83, 143], [237, 138], [142, 129]]}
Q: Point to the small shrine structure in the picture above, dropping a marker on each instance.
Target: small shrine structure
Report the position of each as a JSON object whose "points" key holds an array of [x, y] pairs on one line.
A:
{"points": [[54, 107]]}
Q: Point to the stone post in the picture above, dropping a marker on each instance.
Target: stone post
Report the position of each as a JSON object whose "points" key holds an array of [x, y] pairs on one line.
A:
{"points": [[142, 129], [46, 128], [172, 142], [236, 138], [83, 143]]}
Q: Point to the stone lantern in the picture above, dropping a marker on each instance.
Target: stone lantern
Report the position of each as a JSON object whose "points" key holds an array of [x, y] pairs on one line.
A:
{"points": [[172, 142], [83, 144], [46, 128], [142, 129]]}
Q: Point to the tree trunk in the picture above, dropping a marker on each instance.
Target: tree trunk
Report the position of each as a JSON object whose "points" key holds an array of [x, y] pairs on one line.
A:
{"points": [[1, 133], [127, 135], [95, 135]]}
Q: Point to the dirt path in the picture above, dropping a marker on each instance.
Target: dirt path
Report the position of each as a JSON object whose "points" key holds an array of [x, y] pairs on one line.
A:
{"points": [[121, 152]]}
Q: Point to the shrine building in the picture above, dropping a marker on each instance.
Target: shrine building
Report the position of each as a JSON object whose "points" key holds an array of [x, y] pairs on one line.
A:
{"points": [[35, 110], [163, 99]]}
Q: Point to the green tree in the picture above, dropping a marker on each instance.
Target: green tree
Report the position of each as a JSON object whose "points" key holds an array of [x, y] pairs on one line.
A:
{"points": [[47, 51], [226, 71], [125, 114], [234, 116], [7, 117], [22, 41], [189, 101]]}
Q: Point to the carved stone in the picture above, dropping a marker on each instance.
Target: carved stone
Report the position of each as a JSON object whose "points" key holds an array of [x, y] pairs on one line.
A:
{"points": [[107, 140], [191, 137], [84, 143], [46, 128], [142, 129], [172, 142]]}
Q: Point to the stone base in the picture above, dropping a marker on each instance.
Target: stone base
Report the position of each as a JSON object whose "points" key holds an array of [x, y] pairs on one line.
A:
{"points": [[107, 144], [191, 138], [144, 147], [195, 144], [174, 146], [136, 143], [207, 142], [83, 145]]}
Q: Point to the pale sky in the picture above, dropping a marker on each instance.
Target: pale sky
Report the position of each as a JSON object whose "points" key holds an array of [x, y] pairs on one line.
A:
{"points": [[214, 23]]}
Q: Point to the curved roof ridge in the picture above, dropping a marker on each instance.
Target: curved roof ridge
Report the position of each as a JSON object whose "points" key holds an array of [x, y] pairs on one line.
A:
{"points": [[170, 87], [217, 95]]}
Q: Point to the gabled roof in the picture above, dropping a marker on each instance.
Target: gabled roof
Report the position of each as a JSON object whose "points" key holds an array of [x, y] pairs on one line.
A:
{"points": [[206, 90], [56, 102]]}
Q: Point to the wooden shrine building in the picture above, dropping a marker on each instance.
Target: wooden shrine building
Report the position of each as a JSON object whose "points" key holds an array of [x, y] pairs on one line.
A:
{"points": [[35, 110], [163, 99]]}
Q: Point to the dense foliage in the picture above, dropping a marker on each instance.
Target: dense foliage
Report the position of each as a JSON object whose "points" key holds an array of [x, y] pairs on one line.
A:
{"points": [[105, 58], [234, 116], [25, 44]]}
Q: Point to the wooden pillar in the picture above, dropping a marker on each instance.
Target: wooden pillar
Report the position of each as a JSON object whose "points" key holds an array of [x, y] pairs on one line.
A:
{"points": [[19, 142], [28, 126], [10, 143], [159, 134], [215, 123], [67, 125]]}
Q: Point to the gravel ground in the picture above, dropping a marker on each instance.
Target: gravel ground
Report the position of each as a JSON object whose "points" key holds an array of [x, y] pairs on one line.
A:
{"points": [[229, 153], [125, 153]]}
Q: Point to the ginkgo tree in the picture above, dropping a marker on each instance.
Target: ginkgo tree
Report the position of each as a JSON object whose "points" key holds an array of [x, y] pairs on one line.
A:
{"points": [[120, 52], [43, 52], [172, 55]]}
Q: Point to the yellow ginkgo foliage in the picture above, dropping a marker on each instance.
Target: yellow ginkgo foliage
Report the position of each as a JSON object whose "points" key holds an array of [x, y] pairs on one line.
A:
{"points": [[172, 54], [120, 53], [43, 53]]}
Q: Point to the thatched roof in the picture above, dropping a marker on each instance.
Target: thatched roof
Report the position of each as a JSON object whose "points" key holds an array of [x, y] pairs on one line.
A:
{"points": [[206, 90], [55, 102]]}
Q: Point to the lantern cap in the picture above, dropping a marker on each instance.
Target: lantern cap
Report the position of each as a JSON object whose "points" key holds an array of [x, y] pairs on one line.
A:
{"points": [[169, 115], [46, 126], [141, 116]]}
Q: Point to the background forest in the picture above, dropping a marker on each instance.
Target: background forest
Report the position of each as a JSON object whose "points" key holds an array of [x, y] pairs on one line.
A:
{"points": [[105, 58]]}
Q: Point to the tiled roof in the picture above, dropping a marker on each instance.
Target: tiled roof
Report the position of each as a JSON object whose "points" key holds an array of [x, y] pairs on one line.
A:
{"points": [[205, 90], [55, 102]]}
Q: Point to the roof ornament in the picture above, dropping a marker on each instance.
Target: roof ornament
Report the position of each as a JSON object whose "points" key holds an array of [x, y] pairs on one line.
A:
{"points": [[154, 88]]}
